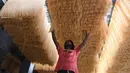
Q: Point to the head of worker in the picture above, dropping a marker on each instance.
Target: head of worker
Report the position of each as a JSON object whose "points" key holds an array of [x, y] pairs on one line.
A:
{"points": [[69, 45]]}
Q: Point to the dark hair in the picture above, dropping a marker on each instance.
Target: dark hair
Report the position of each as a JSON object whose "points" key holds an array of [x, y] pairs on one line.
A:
{"points": [[72, 44]]}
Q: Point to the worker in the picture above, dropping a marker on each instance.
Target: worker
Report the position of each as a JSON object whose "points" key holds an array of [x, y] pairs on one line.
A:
{"points": [[67, 62]]}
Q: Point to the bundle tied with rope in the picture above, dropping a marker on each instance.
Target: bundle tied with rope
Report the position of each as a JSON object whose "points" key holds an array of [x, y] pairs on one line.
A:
{"points": [[25, 22], [116, 54], [73, 18]]}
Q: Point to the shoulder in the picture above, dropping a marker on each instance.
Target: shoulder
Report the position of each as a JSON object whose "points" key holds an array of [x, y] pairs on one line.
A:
{"points": [[77, 49], [59, 48]]}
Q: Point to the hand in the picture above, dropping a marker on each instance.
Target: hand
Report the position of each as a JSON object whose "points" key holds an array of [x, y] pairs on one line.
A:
{"points": [[87, 34], [53, 31], [84, 41]]}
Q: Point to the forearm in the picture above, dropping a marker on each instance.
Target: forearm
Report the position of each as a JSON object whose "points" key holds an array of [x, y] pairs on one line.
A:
{"points": [[54, 38], [84, 42]]}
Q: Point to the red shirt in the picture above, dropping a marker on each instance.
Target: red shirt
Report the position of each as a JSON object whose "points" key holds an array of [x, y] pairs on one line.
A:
{"points": [[67, 59]]}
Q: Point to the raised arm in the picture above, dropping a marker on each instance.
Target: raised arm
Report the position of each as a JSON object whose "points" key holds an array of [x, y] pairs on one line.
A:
{"points": [[84, 41], [54, 39]]}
